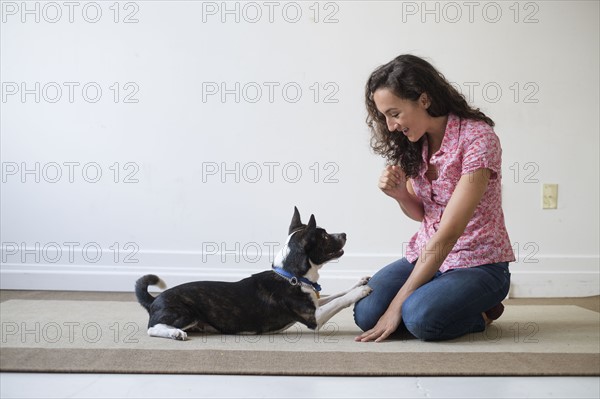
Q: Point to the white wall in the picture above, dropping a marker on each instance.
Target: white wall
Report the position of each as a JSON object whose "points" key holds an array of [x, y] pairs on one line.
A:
{"points": [[532, 66]]}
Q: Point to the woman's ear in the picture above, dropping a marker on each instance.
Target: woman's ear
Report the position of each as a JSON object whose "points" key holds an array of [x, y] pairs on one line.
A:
{"points": [[424, 100]]}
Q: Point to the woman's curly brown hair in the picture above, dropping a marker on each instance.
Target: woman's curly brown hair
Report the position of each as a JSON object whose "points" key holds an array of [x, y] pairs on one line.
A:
{"points": [[408, 76]]}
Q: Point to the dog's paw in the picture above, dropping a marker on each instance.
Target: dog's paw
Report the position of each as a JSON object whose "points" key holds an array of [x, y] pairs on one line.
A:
{"points": [[366, 290], [177, 334], [360, 292], [362, 281]]}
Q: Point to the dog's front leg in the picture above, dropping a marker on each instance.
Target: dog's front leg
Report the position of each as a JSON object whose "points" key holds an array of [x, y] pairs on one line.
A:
{"points": [[165, 331], [330, 309], [327, 299]]}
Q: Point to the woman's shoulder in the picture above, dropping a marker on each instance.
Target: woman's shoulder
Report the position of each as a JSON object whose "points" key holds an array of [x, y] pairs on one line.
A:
{"points": [[472, 130], [474, 127], [479, 146], [477, 135]]}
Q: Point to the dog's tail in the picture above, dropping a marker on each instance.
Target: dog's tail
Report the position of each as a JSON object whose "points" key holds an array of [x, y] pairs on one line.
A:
{"points": [[141, 289]]}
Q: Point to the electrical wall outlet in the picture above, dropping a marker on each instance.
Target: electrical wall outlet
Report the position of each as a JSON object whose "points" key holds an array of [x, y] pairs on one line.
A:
{"points": [[550, 196]]}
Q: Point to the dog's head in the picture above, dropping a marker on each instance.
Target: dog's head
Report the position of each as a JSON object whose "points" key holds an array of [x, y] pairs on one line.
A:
{"points": [[308, 246]]}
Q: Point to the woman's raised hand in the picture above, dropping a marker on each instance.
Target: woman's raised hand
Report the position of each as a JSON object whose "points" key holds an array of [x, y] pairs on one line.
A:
{"points": [[393, 181]]}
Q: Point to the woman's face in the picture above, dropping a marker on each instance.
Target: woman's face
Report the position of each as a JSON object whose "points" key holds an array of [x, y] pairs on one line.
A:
{"points": [[404, 116]]}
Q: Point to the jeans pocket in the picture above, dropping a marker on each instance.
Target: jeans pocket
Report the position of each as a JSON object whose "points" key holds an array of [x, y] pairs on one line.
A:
{"points": [[503, 274], [506, 273]]}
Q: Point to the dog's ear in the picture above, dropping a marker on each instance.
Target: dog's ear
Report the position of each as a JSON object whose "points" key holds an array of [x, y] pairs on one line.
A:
{"points": [[296, 223], [309, 232], [312, 225]]}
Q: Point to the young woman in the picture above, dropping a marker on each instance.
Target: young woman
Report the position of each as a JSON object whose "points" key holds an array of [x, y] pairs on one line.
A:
{"points": [[445, 172]]}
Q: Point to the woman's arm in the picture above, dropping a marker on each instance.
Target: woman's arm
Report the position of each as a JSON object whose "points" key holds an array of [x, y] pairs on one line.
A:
{"points": [[394, 183], [456, 217]]}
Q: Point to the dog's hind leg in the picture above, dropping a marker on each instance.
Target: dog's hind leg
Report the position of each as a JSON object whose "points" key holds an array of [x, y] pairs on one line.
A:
{"points": [[165, 331]]}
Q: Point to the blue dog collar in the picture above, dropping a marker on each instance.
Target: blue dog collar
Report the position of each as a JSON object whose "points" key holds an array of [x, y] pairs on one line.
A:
{"points": [[296, 280]]}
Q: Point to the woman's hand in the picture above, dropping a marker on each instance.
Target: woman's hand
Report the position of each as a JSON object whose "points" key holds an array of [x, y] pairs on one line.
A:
{"points": [[387, 324], [393, 182]]}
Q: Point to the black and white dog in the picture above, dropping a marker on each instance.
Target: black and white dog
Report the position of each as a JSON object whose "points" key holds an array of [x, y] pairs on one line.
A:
{"points": [[266, 302]]}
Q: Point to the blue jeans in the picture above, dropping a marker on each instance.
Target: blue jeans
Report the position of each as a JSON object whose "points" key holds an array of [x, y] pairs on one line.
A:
{"points": [[446, 307]]}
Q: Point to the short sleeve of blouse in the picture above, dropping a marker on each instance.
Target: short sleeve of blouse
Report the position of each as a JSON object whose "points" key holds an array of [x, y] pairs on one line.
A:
{"points": [[483, 152]]}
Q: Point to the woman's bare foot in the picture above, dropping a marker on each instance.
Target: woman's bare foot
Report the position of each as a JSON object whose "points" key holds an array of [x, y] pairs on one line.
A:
{"points": [[493, 314], [487, 320]]}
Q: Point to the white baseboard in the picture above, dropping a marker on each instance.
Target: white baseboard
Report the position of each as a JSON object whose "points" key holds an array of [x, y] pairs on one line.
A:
{"points": [[550, 276]]}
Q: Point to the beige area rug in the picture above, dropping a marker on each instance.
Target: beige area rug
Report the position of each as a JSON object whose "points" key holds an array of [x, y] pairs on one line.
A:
{"points": [[110, 337]]}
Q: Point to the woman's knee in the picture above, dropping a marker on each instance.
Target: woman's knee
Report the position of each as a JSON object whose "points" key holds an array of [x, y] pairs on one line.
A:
{"points": [[421, 320], [423, 330], [365, 316], [385, 284]]}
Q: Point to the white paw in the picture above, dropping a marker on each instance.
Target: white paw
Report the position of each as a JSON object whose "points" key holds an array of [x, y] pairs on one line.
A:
{"points": [[366, 290], [177, 334], [362, 281], [360, 292]]}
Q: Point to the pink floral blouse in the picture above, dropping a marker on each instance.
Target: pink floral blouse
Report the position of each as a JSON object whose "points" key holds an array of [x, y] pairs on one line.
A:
{"points": [[468, 145]]}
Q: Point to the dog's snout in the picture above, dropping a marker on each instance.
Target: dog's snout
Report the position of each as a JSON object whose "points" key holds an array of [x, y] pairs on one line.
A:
{"points": [[341, 237]]}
